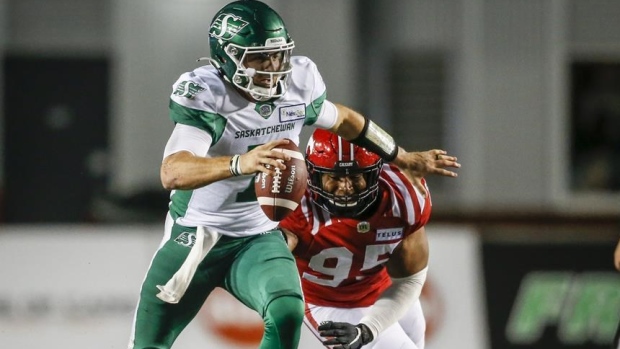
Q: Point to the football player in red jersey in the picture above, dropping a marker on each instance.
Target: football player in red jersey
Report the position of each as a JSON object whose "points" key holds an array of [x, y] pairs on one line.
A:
{"points": [[360, 246]]}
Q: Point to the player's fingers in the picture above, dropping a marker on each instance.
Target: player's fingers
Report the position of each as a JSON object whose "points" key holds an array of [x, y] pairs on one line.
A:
{"points": [[279, 154], [331, 333], [327, 332], [276, 143], [266, 169], [267, 156], [335, 340], [437, 153], [325, 325], [447, 163], [261, 149], [330, 341], [446, 160], [274, 163], [444, 172]]}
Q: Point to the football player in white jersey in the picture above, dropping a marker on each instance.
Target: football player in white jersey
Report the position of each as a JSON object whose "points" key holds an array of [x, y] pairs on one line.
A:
{"points": [[228, 117], [359, 241]]}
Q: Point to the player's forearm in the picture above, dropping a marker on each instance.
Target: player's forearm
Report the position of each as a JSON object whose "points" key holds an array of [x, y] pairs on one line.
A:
{"points": [[349, 124], [394, 302], [185, 171], [363, 132]]}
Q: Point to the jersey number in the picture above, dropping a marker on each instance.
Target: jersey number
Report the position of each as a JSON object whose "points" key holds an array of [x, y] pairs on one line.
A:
{"points": [[374, 256]]}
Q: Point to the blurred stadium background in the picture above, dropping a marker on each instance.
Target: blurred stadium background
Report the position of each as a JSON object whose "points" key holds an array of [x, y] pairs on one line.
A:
{"points": [[526, 93]]}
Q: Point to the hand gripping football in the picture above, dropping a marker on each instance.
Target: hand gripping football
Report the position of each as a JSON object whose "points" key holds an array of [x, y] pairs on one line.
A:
{"points": [[279, 194]]}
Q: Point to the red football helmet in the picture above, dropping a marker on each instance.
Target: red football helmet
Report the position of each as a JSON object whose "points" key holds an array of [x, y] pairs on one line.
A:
{"points": [[327, 153]]}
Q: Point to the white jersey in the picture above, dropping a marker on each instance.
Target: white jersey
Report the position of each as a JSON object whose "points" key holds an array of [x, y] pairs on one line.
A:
{"points": [[201, 99]]}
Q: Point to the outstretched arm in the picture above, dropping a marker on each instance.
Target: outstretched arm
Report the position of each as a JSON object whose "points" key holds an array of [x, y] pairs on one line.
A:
{"points": [[354, 127], [407, 267]]}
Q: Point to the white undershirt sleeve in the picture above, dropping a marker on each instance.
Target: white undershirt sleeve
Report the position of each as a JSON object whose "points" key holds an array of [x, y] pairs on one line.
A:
{"points": [[188, 138], [328, 116], [394, 302]]}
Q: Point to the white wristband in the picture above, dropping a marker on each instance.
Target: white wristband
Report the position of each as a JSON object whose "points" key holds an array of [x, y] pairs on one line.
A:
{"points": [[394, 302], [235, 167]]}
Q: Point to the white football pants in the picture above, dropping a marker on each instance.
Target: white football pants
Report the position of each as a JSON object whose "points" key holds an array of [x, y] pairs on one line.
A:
{"points": [[407, 333]]}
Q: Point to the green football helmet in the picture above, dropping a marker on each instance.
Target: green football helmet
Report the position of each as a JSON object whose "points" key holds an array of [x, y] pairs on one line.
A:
{"points": [[249, 27]]}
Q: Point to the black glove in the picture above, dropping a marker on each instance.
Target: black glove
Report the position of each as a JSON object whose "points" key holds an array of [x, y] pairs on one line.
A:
{"points": [[345, 335]]}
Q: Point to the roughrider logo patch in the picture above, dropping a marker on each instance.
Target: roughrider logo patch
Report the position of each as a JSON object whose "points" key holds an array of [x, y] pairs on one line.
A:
{"points": [[188, 89], [186, 239]]}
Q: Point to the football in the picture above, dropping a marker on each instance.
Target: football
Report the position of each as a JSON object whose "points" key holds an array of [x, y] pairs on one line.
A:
{"points": [[279, 194]]}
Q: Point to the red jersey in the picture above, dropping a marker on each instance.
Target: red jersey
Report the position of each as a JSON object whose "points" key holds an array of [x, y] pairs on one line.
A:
{"points": [[341, 261]]}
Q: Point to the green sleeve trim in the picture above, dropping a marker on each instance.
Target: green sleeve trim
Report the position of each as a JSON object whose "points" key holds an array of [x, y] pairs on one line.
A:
{"points": [[179, 203], [312, 111], [210, 122]]}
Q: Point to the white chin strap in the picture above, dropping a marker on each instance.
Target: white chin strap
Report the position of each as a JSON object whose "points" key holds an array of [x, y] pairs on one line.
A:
{"points": [[339, 204], [262, 93]]}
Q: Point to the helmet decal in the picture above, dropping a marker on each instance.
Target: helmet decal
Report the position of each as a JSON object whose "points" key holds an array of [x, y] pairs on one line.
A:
{"points": [[226, 26]]}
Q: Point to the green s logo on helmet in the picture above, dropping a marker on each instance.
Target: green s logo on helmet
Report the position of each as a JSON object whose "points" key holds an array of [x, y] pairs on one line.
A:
{"points": [[226, 26], [245, 28]]}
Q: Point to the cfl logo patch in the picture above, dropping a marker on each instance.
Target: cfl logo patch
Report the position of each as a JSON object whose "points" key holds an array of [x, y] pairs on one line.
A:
{"points": [[389, 234]]}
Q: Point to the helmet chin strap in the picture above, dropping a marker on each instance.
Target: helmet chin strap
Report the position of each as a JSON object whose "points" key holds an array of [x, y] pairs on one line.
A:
{"points": [[265, 93], [339, 204]]}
